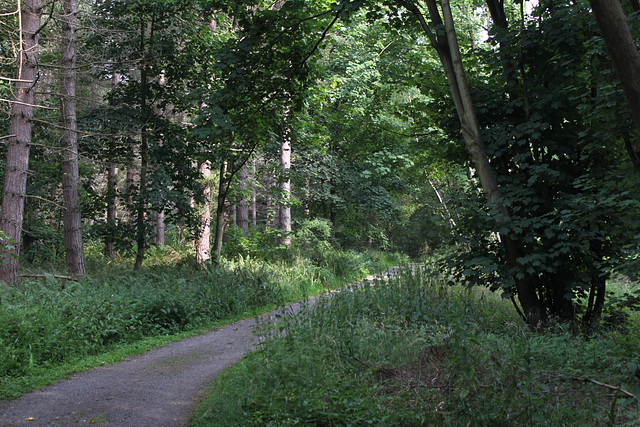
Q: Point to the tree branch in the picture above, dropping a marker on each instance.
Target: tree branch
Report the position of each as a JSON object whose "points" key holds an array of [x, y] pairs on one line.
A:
{"points": [[609, 386]]}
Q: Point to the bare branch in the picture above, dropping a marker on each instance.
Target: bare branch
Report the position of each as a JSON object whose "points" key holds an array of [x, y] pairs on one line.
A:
{"points": [[610, 387], [27, 104], [14, 80], [30, 196], [44, 276]]}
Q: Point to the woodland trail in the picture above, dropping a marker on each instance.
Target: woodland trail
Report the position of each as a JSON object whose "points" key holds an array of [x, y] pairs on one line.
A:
{"points": [[158, 388]]}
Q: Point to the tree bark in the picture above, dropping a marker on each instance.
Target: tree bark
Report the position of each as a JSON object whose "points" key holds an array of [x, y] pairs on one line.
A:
{"points": [[112, 205], [203, 240], [624, 54], [449, 52], [158, 228], [129, 185], [285, 205], [242, 212], [254, 200], [72, 221], [220, 221], [145, 106], [20, 129]]}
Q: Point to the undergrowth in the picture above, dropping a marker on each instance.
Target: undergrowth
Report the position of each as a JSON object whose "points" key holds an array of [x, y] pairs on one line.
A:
{"points": [[415, 350], [49, 323]]}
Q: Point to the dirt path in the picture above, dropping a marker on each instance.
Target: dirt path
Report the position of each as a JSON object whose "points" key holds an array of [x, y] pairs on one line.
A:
{"points": [[158, 388]]}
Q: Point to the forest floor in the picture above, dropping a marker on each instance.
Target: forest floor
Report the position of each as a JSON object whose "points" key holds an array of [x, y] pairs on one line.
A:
{"points": [[158, 388]]}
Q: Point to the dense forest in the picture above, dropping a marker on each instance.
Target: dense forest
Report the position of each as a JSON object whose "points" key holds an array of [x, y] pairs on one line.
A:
{"points": [[497, 133], [499, 140]]}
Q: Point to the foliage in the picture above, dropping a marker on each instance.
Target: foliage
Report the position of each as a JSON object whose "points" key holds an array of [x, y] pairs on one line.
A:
{"points": [[51, 322], [415, 350], [563, 172]]}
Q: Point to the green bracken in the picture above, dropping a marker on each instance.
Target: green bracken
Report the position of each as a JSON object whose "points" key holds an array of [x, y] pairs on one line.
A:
{"points": [[51, 327]]}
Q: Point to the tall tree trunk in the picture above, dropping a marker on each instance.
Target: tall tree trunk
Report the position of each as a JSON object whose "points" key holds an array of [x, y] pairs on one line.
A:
{"points": [[617, 37], [20, 128], [144, 146], [242, 212], [141, 203], [72, 221], [158, 228], [220, 221], [112, 205], [129, 186], [254, 200], [269, 201], [285, 206], [203, 240], [449, 52]]}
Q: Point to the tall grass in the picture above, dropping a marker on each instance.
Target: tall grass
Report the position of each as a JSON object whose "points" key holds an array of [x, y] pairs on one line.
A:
{"points": [[51, 322], [415, 350]]}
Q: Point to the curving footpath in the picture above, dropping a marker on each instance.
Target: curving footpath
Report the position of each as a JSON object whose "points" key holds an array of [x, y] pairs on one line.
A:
{"points": [[158, 388]]}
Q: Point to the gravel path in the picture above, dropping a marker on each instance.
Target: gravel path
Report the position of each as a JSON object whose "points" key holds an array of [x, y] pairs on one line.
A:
{"points": [[158, 388]]}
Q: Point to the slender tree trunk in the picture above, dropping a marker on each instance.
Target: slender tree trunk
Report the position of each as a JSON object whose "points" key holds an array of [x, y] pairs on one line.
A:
{"points": [[254, 201], [285, 206], [220, 221], [129, 186], [141, 203], [72, 221], [270, 218], [158, 228], [617, 36], [242, 211], [144, 149], [203, 240], [20, 128], [531, 304], [112, 205], [449, 216], [449, 52]]}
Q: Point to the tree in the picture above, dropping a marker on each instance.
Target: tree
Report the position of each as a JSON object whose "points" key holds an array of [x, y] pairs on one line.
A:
{"points": [[624, 54], [74, 246], [18, 144], [285, 201], [546, 145], [449, 52], [203, 238], [262, 71], [242, 219], [150, 99]]}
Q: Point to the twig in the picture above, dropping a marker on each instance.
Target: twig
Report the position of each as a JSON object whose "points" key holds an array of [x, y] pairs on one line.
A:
{"points": [[365, 364], [8, 79], [610, 387], [30, 196], [43, 276], [27, 104]]}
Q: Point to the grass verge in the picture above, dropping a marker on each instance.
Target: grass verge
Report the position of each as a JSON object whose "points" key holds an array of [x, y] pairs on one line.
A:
{"points": [[51, 328], [416, 351]]}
